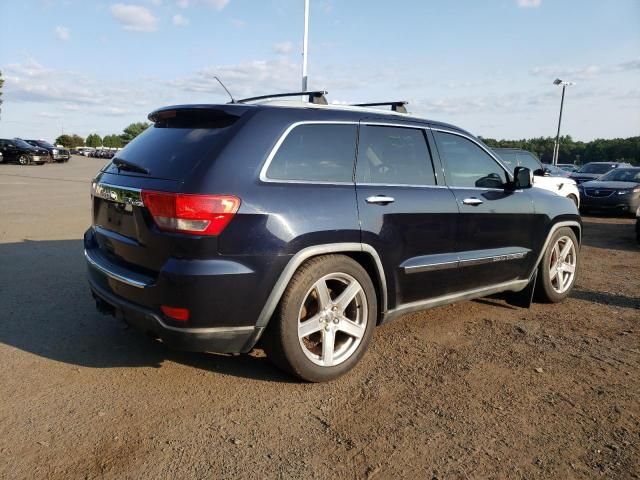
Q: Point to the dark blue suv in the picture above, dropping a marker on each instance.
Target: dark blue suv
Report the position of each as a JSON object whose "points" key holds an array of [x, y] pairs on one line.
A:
{"points": [[303, 226]]}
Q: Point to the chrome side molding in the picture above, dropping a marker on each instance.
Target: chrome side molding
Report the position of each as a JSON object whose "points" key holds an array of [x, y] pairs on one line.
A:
{"points": [[444, 261]]}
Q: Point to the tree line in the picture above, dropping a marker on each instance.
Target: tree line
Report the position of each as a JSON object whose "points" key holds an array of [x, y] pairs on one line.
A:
{"points": [[111, 141], [579, 153]]}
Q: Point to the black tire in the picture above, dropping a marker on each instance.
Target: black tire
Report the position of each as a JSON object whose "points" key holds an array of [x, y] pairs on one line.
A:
{"points": [[24, 160], [546, 289], [282, 343]]}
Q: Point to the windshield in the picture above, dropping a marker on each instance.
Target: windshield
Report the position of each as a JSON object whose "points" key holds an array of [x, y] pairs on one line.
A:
{"points": [[622, 175], [513, 159], [595, 168], [21, 143]]}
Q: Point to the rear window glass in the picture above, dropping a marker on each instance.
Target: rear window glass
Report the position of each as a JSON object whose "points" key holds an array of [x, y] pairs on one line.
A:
{"points": [[175, 145], [316, 152]]}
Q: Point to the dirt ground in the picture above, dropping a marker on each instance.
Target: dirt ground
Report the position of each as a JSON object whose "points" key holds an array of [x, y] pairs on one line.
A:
{"points": [[474, 390]]}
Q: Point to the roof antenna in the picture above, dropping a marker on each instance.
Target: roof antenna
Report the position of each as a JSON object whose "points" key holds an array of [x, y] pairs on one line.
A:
{"points": [[225, 89]]}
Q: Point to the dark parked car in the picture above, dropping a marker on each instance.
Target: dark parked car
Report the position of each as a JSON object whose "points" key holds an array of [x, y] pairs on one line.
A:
{"points": [[19, 151], [568, 167], [617, 190], [58, 154], [304, 225], [594, 170]]}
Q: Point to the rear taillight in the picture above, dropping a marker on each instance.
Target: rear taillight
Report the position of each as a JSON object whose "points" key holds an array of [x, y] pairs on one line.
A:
{"points": [[187, 213]]}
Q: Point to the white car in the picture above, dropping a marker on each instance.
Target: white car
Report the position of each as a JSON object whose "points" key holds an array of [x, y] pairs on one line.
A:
{"points": [[546, 177]]}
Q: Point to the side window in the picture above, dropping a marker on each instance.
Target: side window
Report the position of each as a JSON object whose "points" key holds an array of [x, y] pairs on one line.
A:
{"points": [[466, 164], [394, 155], [316, 152]]}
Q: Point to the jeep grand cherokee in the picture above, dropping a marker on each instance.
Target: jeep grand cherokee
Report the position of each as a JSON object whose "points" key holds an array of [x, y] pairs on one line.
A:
{"points": [[303, 226]]}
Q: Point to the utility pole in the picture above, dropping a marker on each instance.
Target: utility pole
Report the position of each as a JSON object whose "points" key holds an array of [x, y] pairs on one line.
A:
{"points": [[556, 146], [305, 45]]}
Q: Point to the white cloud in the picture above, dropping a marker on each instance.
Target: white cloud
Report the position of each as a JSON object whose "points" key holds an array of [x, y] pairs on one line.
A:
{"points": [[631, 65], [217, 4], [49, 115], [30, 68], [179, 20], [182, 3], [238, 23], [134, 17], [283, 48], [244, 79], [62, 33], [529, 3]]}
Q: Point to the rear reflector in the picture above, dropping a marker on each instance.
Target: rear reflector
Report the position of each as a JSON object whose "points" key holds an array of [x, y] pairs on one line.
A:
{"points": [[176, 313], [193, 214]]}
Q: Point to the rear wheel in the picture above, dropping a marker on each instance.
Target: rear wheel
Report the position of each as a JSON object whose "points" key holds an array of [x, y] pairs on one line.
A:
{"points": [[325, 320], [23, 160], [559, 266]]}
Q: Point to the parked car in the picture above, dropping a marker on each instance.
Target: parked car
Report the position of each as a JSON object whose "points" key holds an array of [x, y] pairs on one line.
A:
{"points": [[555, 171], [86, 151], [19, 151], [304, 225], [594, 170], [638, 224], [617, 190], [57, 154], [569, 167], [544, 176]]}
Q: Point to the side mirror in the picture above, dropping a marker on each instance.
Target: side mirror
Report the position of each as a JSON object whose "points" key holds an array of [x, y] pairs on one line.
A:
{"points": [[522, 178]]}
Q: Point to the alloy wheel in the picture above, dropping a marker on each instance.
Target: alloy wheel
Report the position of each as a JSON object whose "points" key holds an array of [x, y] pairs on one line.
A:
{"points": [[562, 264], [332, 319]]}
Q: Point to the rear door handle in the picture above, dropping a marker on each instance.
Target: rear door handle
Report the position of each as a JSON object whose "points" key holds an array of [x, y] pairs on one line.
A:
{"points": [[380, 199], [472, 201]]}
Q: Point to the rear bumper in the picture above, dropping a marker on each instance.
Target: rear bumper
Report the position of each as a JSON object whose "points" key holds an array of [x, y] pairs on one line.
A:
{"points": [[224, 298], [214, 339]]}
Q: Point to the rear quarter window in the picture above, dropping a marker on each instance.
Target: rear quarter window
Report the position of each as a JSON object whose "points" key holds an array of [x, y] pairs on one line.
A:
{"points": [[315, 153]]}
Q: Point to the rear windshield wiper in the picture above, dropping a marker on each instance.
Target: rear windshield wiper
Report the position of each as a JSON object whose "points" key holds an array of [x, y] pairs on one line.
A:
{"points": [[131, 167]]}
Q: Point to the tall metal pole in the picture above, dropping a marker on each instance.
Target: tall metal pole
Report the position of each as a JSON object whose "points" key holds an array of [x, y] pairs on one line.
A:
{"points": [[305, 45], [556, 147]]}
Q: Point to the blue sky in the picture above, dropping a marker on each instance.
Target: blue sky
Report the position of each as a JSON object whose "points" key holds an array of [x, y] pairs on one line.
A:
{"points": [[96, 66]]}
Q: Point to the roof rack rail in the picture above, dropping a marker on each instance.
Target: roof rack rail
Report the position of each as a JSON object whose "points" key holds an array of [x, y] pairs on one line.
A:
{"points": [[317, 97], [395, 106]]}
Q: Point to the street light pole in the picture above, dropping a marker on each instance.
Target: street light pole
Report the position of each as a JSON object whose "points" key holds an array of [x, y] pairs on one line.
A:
{"points": [[556, 146], [305, 45]]}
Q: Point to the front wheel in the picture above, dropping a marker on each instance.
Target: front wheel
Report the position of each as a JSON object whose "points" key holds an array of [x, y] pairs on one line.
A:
{"points": [[559, 266], [325, 320], [23, 160]]}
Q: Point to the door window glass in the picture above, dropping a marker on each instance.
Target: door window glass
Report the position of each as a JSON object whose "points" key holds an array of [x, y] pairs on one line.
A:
{"points": [[394, 156], [316, 152], [468, 165]]}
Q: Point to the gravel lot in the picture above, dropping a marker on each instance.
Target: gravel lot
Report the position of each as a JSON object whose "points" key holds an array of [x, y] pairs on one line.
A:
{"points": [[474, 390]]}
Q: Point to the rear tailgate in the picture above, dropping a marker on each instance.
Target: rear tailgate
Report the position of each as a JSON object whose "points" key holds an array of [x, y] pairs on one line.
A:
{"points": [[180, 144]]}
